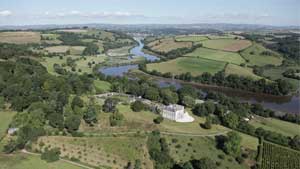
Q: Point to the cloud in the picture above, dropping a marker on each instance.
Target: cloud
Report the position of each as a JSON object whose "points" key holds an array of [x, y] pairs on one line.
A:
{"points": [[5, 13], [75, 13]]}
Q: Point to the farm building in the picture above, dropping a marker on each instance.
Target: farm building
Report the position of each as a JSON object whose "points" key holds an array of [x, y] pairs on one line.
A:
{"points": [[177, 113]]}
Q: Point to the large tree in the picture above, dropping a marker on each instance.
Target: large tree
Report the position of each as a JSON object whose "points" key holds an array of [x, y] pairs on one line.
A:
{"points": [[232, 144]]}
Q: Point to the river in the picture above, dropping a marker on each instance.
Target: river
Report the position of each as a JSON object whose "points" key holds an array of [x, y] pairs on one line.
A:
{"points": [[290, 104]]}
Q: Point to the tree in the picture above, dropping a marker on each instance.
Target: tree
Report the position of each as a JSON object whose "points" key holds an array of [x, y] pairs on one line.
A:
{"points": [[91, 49], [295, 142], [207, 124], [232, 144], [138, 106], [158, 120], [77, 101], [50, 155], [110, 105], [188, 101], [72, 123], [56, 120], [168, 96], [90, 115], [152, 94], [204, 163], [116, 119], [231, 120]]}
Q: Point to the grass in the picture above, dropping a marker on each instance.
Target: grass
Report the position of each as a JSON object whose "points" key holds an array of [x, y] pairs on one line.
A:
{"points": [[248, 141], [101, 86], [168, 44], [191, 38], [49, 62], [106, 151], [20, 37], [196, 148], [231, 45], [83, 63], [283, 127], [24, 161], [6, 118], [241, 71], [222, 56], [255, 56], [276, 73], [123, 51], [194, 65], [225, 36], [74, 50]]}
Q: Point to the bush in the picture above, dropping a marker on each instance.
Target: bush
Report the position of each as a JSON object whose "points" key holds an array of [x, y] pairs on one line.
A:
{"points": [[158, 120], [51, 155], [138, 106]]}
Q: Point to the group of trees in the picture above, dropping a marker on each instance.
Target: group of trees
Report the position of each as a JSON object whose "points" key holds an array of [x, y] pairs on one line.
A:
{"points": [[8, 51], [292, 73], [91, 49]]}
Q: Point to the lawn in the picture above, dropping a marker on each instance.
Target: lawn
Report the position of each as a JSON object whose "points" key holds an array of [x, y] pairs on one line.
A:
{"points": [[231, 45], [20, 37], [255, 56], [222, 56], [183, 148], [194, 65], [6, 118], [168, 44], [24, 161], [101, 86], [279, 126], [241, 71], [106, 151], [191, 38]]}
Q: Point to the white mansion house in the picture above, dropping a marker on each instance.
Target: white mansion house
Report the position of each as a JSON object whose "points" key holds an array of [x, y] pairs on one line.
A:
{"points": [[176, 112]]}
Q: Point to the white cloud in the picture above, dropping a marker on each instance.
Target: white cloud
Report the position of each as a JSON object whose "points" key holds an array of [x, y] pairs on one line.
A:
{"points": [[5, 13], [76, 13]]}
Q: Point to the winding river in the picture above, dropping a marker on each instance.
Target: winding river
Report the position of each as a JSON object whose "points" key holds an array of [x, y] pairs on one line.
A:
{"points": [[290, 104]]}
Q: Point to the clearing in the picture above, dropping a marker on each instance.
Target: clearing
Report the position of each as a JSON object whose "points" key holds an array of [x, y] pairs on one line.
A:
{"points": [[20, 37], [6, 118], [222, 56], [241, 71]]}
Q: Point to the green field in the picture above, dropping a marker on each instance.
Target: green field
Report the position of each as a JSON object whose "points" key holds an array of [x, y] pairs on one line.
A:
{"points": [[168, 44], [196, 148], [107, 151], [5, 119], [279, 126], [24, 161], [74, 50], [229, 57], [102, 86], [227, 44], [255, 56], [194, 65], [191, 38], [241, 71]]}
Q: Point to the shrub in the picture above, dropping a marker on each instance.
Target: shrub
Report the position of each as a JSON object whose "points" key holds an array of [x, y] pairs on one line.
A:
{"points": [[51, 155]]}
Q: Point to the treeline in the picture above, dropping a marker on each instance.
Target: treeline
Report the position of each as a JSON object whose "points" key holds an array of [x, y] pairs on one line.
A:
{"points": [[292, 73], [8, 51], [41, 99], [277, 87], [175, 53]]}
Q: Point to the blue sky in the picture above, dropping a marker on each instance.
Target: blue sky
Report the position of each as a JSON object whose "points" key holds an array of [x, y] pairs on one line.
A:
{"points": [[269, 12]]}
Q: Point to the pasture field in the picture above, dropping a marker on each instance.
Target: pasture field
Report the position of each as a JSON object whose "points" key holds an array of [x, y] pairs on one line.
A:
{"points": [[194, 65], [20, 37], [114, 152], [73, 30], [283, 127], [225, 36], [184, 148], [83, 62], [276, 73], [222, 56], [191, 38], [279, 157], [25, 161], [48, 62], [5, 119], [230, 45], [241, 71], [255, 56], [248, 141], [168, 44], [123, 51], [74, 50]]}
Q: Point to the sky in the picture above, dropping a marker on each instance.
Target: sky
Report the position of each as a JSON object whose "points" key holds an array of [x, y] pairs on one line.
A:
{"points": [[39, 12]]}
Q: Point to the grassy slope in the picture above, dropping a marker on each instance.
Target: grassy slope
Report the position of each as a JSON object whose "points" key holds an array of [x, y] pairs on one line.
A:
{"points": [[198, 148], [168, 44], [229, 57], [257, 58], [5, 119], [191, 38], [22, 161], [241, 71], [285, 128], [102, 85], [196, 66], [20, 37], [227, 44]]}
